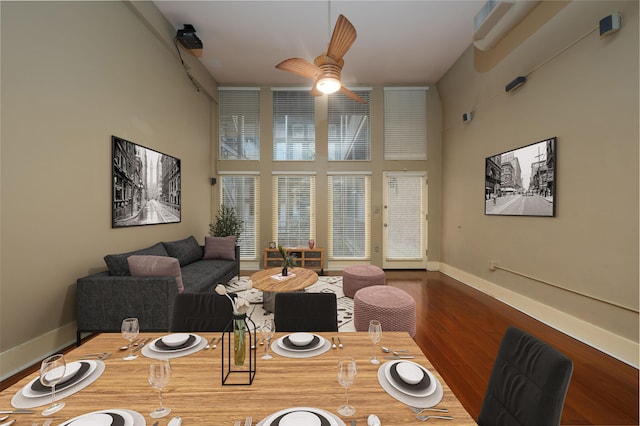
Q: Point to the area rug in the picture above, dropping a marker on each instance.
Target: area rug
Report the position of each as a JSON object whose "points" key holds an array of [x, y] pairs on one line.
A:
{"points": [[323, 285]]}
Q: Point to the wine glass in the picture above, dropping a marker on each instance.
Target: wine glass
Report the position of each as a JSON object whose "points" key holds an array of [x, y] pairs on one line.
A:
{"points": [[130, 329], [347, 372], [52, 371], [159, 375], [268, 330], [375, 334]]}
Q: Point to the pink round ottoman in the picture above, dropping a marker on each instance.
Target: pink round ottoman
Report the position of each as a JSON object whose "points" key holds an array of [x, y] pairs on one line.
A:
{"points": [[355, 277], [393, 307]]}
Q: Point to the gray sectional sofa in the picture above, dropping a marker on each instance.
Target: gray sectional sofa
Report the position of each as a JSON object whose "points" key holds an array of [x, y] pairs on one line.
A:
{"points": [[106, 298]]}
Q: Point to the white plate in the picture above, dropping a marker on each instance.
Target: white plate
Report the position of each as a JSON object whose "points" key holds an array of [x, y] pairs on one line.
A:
{"points": [[154, 348], [297, 420], [280, 343], [29, 393], [177, 339], [99, 418], [403, 389], [300, 339]]}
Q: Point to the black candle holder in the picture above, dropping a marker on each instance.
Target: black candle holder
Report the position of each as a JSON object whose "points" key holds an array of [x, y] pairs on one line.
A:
{"points": [[235, 370]]}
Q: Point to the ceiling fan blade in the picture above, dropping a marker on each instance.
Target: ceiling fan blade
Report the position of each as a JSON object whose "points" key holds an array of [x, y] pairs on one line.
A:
{"points": [[352, 95], [301, 67], [344, 34]]}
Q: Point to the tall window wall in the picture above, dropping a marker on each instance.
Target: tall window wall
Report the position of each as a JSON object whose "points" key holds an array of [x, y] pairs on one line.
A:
{"points": [[307, 174]]}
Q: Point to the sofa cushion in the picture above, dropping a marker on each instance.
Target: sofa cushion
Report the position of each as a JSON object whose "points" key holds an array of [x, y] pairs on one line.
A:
{"points": [[117, 263], [204, 275], [220, 247], [186, 251], [156, 266]]}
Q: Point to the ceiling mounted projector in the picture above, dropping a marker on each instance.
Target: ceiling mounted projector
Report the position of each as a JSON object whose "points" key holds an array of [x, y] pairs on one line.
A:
{"points": [[189, 40]]}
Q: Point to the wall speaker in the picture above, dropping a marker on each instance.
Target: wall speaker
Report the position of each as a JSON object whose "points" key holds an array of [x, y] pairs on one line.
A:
{"points": [[213, 181], [517, 82], [467, 116], [610, 24]]}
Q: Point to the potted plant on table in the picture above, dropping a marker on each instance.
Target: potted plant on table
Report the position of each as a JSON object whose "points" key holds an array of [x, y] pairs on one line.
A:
{"points": [[288, 260]]}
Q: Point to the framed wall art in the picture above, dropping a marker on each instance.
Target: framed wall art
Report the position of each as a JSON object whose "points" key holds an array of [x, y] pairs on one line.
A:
{"points": [[522, 182], [146, 186]]}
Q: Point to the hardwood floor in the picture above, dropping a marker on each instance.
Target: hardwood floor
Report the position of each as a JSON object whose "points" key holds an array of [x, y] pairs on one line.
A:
{"points": [[459, 329]]}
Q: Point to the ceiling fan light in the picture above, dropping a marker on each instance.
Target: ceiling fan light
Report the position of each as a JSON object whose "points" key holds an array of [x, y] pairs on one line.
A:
{"points": [[328, 85]]}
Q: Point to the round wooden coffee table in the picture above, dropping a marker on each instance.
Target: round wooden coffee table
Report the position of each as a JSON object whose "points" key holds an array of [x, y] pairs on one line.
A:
{"points": [[297, 280]]}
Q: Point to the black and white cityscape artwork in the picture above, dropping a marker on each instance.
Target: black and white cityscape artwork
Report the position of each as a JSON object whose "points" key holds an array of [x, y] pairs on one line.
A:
{"points": [[146, 185], [522, 182]]}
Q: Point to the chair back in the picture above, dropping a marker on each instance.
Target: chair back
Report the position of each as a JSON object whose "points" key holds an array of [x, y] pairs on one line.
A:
{"points": [[528, 383], [200, 312], [306, 312]]}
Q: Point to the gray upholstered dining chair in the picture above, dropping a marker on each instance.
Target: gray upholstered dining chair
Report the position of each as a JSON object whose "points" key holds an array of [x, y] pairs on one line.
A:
{"points": [[528, 383], [306, 312], [200, 312]]}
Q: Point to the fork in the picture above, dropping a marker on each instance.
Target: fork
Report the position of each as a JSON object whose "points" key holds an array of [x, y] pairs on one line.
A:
{"points": [[210, 342], [417, 410], [425, 418]]}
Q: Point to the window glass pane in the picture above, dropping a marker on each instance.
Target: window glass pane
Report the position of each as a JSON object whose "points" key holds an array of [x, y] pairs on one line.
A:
{"points": [[405, 124], [349, 127], [349, 217], [294, 221], [242, 193], [239, 118], [294, 131]]}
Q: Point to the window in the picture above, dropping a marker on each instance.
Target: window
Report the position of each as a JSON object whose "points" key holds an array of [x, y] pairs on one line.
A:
{"points": [[294, 131], [405, 123], [294, 209], [349, 217], [242, 193], [239, 118], [349, 127]]}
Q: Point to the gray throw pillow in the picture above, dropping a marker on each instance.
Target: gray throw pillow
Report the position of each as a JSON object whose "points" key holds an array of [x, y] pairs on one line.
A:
{"points": [[186, 251]]}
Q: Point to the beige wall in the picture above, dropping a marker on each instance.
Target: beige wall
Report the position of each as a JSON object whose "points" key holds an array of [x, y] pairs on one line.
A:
{"points": [[73, 74], [587, 96]]}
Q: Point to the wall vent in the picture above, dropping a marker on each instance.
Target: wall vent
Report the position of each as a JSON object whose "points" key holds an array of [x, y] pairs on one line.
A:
{"points": [[497, 18]]}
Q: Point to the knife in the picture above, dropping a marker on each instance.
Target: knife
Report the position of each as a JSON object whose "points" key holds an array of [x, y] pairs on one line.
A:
{"points": [[17, 411], [9, 423], [400, 357], [142, 344]]}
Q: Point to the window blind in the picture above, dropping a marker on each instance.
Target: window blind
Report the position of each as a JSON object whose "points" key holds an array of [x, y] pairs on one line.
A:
{"points": [[294, 209], [349, 217], [349, 127], [294, 131], [405, 123], [404, 220], [242, 192], [239, 123]]}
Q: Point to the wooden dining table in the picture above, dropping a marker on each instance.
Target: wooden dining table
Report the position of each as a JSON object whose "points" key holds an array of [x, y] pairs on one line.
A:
{"points": [[196, 393]]}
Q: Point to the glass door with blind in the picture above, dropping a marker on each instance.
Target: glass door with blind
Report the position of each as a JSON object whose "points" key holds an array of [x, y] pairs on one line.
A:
{"points": [[404, 220]]}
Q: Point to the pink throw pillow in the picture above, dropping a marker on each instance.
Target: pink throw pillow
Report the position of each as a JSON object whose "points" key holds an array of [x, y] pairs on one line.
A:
{"points": [[156, 266], [220, 247]]}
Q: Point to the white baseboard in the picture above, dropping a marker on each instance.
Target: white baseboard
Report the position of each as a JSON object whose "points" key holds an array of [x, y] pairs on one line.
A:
{"points": [[612, 344], [33, 351]]}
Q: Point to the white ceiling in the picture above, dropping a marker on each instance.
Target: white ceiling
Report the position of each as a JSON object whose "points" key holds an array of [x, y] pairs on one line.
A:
{"points": [[399, 42]]}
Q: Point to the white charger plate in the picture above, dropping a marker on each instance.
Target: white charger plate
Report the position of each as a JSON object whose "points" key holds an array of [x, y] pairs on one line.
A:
{"points": [[300, 418], [100, 418], [281, 344], [405, 389], [152, 345], [413, 401], [29, 393]]}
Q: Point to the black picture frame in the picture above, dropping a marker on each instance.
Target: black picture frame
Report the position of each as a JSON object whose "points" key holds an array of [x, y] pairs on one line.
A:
{"points": [[146, 185], [522, 181]]}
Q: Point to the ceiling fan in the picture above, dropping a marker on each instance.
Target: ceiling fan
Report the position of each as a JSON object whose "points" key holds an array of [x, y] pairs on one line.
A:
{"points": [[326, 68]]}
